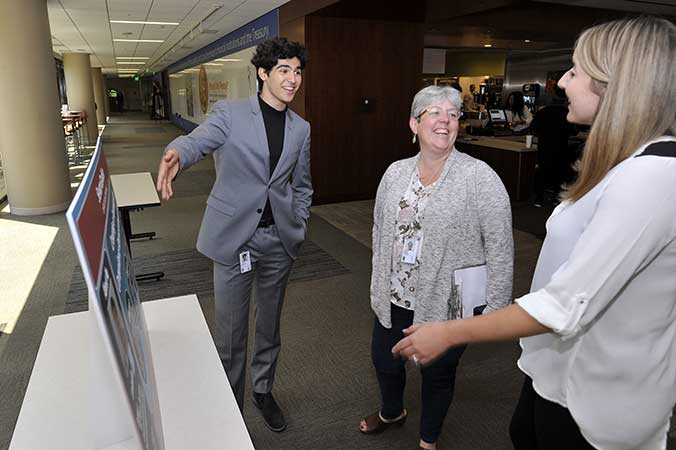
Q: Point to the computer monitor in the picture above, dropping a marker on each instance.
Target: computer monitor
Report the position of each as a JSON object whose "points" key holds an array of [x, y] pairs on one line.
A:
{"points": [[497, 115]]}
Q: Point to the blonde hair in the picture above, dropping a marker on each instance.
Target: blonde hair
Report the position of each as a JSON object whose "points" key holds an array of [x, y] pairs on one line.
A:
{"points": [[632, 63]]}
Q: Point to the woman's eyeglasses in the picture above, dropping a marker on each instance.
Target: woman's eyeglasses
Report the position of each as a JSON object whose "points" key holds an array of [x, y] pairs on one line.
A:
{"points": [[435, 113]]}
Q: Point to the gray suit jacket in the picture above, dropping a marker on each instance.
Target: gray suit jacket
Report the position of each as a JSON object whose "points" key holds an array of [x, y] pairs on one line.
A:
{"points": [[235, 133]]}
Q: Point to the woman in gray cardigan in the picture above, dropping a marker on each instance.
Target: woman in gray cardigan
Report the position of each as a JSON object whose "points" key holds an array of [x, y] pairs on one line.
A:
{"points": [[435, 213]]}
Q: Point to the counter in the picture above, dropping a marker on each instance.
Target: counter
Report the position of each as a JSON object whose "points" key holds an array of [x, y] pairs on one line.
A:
{"points": [[508, 157]]}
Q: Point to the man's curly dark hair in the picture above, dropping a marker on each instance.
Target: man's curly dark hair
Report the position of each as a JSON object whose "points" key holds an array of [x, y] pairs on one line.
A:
{"points": [[269, 52]]}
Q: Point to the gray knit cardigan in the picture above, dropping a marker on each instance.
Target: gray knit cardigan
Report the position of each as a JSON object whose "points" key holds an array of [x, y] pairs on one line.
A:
{"points": [[467, 222]]}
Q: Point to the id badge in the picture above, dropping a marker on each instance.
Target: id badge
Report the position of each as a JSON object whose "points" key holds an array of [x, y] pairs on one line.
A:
{"points": [[245, 262], [410, 251]]}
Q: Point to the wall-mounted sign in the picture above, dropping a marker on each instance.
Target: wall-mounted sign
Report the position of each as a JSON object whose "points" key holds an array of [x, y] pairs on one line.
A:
{"points": [[249, 35]]}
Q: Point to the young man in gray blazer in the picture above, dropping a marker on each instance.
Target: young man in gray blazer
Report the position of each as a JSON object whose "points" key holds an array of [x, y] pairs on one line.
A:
{"points": [[256, 214]]}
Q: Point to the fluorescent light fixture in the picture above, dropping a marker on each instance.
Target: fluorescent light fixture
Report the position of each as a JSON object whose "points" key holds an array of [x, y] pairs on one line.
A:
{"points": [[141, 22], [131, 62], [139, 40], [212, 64], [488, 45], [132, 57], [227, 60]]}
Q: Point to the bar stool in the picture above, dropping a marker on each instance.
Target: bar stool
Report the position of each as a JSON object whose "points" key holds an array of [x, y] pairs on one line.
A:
{"points": [[79, 119], [71, 137]]}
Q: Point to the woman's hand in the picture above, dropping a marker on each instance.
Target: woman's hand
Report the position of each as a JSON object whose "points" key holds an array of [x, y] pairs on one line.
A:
{"points": [[428, 341], [425, 341]]}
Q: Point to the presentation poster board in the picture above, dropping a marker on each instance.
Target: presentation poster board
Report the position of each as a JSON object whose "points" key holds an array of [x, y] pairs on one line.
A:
{"points": [[99, 239]]}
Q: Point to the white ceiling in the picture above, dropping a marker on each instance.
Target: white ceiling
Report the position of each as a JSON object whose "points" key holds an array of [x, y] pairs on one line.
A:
{"points": [[84, 26]]}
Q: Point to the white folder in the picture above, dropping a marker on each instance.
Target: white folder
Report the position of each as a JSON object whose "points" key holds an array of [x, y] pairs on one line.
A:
{"points": [[470, 284]]}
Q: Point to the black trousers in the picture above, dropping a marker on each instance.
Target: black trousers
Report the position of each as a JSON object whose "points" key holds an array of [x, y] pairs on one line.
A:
{"points": [[438, 378], [538, 424]]}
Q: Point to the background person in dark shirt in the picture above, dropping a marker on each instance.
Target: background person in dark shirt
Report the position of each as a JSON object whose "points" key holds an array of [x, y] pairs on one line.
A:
{"points": [[554, 160]]}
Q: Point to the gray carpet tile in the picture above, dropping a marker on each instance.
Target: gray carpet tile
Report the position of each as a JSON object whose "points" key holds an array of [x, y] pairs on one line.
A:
{"points": [[153, 129], [141, 147], [189, 272], [326, 381]]}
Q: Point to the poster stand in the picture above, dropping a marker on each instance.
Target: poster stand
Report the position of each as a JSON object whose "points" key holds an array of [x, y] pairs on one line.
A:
{"points": [[124, 375], [71, 404]]}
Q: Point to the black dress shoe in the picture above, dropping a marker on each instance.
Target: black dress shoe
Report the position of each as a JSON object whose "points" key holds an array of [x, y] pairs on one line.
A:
{"points": [[273, 416]]}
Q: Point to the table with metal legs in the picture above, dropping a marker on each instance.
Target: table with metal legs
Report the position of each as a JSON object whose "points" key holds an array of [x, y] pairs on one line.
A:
{"points": [[133, 192]]}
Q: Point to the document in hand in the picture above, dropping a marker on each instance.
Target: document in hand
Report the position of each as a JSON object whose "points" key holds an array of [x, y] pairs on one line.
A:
{"points": [[470, 284]]}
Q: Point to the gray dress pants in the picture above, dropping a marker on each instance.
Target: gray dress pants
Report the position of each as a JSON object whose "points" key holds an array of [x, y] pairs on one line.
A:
{"points": [[270, 267]]}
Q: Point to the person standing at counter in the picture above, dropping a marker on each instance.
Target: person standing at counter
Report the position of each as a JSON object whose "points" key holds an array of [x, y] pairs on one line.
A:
{"points": [[599, 326], [435, 213], [552, 129], [518, 115], [256, 214]]}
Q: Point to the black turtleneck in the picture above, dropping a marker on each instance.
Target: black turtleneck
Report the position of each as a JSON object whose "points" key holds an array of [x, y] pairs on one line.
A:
{"points": [[274, 129]]}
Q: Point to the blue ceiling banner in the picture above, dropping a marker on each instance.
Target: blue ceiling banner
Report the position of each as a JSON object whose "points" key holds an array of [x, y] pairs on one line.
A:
{"points": [[249, 35]]}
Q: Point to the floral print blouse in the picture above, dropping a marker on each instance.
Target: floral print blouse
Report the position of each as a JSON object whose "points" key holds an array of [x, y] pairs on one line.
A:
{"points": [[408, 227]]}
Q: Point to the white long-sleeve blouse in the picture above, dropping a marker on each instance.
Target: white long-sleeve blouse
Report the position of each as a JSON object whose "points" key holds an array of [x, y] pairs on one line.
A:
{"points": [[605, 283]]}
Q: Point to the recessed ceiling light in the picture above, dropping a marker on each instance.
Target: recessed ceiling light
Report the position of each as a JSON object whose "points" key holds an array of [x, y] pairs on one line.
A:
{"points": [[132, 57], [141, 22], [227, 60], [141, 63], [488, 45], [138, 40], [526, 40], [212, 64]]}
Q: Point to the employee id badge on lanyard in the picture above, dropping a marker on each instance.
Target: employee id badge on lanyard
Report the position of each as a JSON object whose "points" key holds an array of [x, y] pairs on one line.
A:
{"points": [[410, 251], [245, 262]]}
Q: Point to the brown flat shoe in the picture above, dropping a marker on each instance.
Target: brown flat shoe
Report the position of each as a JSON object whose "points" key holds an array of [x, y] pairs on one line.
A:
{"points": [[376, 424]]}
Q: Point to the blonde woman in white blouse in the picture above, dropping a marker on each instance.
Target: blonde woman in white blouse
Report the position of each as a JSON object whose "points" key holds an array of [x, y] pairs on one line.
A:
{"points": [[435, 213], [601, 359]]}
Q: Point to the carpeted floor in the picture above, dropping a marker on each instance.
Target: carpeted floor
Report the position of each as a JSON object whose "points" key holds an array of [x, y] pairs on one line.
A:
{"points": [[325, 380], [189, 272], [192, 183]]}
